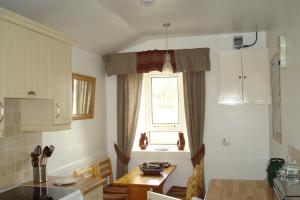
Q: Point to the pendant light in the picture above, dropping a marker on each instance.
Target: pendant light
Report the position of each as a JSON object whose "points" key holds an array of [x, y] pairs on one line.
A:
{"points": [[167, 68]]}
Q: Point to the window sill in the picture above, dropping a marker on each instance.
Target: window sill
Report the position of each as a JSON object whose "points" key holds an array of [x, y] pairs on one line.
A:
{"points": [[171, 153]]}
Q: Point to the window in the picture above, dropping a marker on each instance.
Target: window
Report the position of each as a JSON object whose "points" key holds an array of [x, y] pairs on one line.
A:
{"points": [[162, 111]]}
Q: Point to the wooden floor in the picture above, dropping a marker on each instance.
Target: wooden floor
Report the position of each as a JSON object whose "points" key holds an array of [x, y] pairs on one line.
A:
{"points": [[239, 190]]}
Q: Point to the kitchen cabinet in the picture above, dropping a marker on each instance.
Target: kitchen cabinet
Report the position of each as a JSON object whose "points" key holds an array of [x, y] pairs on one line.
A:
{"points": [[27, 61], [2, 48], [55, 113], [35, 67], [35, 60], [243, 77], [62, 83]]}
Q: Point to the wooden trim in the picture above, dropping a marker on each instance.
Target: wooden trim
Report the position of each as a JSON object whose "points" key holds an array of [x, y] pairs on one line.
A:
{"points": [[93, 81], [12, 17]]}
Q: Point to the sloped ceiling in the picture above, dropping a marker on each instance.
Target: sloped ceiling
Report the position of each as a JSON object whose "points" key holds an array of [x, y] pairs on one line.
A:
{"points": [[103, 26]]}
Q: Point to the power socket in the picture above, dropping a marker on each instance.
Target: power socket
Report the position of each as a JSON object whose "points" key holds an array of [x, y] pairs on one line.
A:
{"points": [[238, 42]]}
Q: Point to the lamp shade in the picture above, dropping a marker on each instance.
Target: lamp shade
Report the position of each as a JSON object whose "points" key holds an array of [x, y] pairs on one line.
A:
{"points": [[167, 68]]}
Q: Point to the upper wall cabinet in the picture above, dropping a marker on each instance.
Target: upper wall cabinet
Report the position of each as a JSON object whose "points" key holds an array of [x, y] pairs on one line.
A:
{"points": [[27, 61], [62, 83], [35, 66], [243, 76]]}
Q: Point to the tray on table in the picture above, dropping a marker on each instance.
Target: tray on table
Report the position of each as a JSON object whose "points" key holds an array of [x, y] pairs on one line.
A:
{"points": [[153, 168]]}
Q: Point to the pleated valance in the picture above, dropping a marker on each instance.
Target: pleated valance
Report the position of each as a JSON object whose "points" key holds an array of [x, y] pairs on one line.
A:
{"points": [[182, 60]]}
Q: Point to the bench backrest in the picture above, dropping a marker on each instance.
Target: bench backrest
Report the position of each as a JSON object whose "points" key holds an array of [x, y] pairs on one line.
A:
{"points": [[91, 171], [105, 169]]}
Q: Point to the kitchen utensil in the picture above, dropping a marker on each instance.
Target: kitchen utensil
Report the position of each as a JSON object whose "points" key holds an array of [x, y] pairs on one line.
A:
{"points": [[34, 159], [38, 150], [47, 152], [51, 148], [44, 155]]}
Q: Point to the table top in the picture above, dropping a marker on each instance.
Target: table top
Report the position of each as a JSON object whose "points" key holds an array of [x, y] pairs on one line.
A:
{"points": [[239, 190], [136, 177], [85, 185]]}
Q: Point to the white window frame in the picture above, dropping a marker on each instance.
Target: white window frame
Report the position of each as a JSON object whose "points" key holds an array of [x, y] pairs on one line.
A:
{"points": [[176, 127]]}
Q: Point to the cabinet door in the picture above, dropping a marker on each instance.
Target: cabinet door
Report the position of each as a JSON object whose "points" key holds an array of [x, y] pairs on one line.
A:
{"points": [[230, 77], [62, 82], [27, 63], [2, 48], [255, 79]]}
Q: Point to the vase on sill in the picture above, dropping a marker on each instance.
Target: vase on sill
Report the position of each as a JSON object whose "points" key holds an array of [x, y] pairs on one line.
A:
{"points": [[181, 141], [143, 143]]}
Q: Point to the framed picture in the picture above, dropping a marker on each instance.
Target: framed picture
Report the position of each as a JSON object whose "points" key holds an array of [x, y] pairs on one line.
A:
{"points": [[276, 98]]}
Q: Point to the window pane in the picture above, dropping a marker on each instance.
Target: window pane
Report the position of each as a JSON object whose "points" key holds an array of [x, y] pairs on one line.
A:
{"points": [[164, 96], [163, 138]]}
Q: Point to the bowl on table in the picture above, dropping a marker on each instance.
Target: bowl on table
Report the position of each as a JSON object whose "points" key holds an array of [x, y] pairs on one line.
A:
{"points": [[151, 169]]}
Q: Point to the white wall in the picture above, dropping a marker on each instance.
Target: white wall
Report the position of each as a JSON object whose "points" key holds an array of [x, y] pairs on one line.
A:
{"points": [[86, 140], [286, 21], [246, 126]]}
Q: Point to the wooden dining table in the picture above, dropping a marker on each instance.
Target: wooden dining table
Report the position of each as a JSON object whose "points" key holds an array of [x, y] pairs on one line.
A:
{"points": [[138, 184], [239, 190]]}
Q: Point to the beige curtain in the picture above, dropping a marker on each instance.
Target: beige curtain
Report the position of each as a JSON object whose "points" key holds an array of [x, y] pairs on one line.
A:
{"points": [[129, 89], [194, 103]]}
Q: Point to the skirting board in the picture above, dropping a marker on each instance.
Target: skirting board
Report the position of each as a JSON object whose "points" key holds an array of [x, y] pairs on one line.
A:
{"points": [[67, 169]]}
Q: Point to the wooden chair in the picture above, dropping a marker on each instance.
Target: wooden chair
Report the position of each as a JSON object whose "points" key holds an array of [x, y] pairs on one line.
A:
{"points": [[195, 185], [110, 191], [91, 171]]}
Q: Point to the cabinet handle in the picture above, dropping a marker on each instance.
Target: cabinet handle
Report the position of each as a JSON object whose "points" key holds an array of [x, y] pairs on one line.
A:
{"points": [[31, 93], [245, 76], [58, 110], [2, 112], [240, 77]]}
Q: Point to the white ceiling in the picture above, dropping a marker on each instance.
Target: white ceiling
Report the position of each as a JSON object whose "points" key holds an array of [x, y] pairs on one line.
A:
{"points": [[104, 26]]}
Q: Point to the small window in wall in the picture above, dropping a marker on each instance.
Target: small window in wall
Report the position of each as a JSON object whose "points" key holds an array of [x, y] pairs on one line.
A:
{"points": [[162, 111]]}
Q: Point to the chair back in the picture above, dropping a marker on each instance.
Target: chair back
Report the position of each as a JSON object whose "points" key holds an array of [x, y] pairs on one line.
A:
{"points": [[195, 186], [105, 170], [91, 171]]}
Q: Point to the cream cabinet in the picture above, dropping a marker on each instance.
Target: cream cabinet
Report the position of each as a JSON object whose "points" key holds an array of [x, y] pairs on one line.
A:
{"points": [[2, 49], [243, 77], [35, 67], [27, 62], [62, 83]]}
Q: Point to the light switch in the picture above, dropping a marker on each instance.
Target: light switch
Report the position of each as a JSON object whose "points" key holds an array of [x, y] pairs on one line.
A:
{"points": [[226, 141]]}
